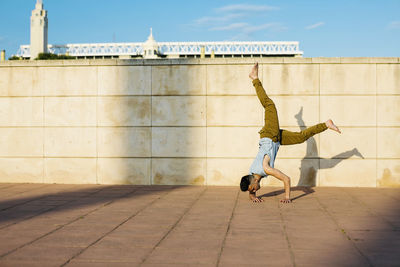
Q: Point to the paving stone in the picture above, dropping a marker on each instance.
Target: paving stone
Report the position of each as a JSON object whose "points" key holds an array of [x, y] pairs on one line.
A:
{"points": [[132, 229], [11, 239], [76, 263], [329, 257], [144, 241], [57, 255], [27, 263], [258, 244], [175, 264], [183, 256], [183, 241], [250, 257], [100, 252], [323, 243], [67, 238], [363, 223], [384, 258]]}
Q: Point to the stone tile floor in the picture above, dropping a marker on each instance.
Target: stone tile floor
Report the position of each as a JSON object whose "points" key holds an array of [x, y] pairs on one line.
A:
{"points": [[98, 225]]}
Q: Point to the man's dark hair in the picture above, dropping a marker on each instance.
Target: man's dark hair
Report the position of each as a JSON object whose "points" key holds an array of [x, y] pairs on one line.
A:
{"points": [[245, 182]]}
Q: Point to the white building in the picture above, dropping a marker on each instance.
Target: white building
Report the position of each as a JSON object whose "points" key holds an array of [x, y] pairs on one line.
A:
{"points": [[38, 30], [149, 49]]}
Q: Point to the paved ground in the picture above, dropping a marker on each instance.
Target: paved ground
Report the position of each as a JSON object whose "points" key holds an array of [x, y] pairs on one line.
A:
{"points": [[93, 225]]}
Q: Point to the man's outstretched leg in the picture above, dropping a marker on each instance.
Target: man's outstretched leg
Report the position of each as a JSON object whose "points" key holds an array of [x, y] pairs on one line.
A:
{"points": [[271, 121], [291, 138]]}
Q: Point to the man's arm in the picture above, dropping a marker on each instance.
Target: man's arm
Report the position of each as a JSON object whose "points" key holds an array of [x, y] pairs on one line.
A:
{"points": [[254, 186], [279, 175], [286, 183]]}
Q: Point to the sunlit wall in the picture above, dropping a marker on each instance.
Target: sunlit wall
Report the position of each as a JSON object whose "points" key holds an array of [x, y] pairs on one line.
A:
{"points": [[196, 121]]}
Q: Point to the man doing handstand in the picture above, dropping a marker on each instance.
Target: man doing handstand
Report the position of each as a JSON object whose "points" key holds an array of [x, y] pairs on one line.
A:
{"points": [[271, 137]]}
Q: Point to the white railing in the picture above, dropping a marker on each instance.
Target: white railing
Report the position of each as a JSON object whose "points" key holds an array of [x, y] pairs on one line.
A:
{"points": [[231, 48], [173, 48]]}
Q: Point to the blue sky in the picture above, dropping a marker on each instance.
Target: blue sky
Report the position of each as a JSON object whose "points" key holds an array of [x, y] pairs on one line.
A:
{"points": [[337, 28]]}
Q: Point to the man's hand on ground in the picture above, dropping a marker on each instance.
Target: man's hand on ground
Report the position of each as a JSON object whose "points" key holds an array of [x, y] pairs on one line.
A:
{"points": [[258, 200], [286, 200], [255, 199]]}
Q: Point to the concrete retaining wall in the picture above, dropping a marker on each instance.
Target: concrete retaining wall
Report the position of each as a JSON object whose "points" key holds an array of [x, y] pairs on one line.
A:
{"points": [[196, 121]]}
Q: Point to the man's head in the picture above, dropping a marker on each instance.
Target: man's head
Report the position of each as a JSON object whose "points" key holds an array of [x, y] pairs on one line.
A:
{"points": [[249, 183]]}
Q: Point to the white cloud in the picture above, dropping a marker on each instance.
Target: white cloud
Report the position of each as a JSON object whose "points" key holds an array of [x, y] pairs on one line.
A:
{"points": [[230, 27], [273, 26], [394, 25], [246, 8], [316, 25], [246, 28], [229, 13], [236, 18], [210, 20], [244, 31]]}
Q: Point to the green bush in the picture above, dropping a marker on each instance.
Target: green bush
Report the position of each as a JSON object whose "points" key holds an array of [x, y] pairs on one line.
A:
{"points": [[14, 58], [50, 56]]}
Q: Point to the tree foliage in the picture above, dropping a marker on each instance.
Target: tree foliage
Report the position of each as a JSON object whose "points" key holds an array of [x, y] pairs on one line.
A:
{"points": [[50, 56]]}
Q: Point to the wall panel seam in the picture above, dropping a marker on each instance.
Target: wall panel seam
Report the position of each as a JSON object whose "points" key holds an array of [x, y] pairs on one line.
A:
{"points": [[319, 119], [151, 127], [43, 131], [97, 124], [206, 115], [376, 125]]}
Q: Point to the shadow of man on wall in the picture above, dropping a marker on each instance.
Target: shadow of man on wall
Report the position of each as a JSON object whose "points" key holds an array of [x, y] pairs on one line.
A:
{"points": [[308, 174]]}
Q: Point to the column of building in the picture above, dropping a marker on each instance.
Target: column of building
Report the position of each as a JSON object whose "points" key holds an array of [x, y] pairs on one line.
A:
{"points": [[39, 26]]}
